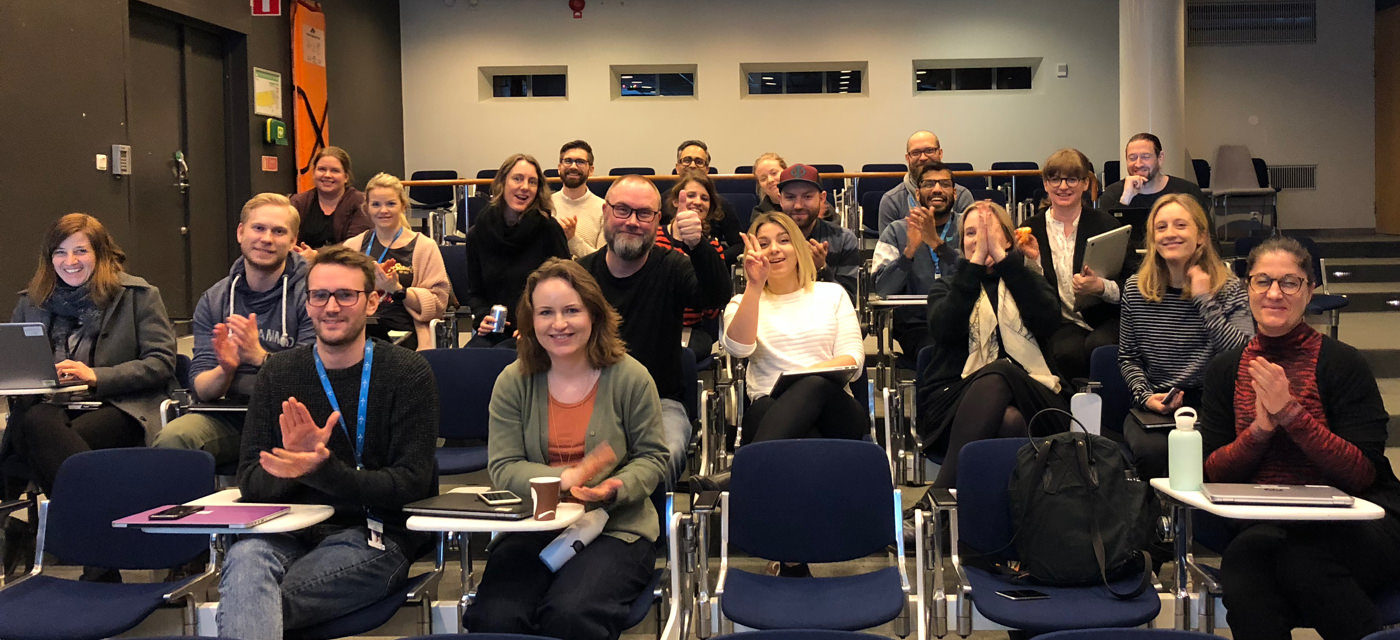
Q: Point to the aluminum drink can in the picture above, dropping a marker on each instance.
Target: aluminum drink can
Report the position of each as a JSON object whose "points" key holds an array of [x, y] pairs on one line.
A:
{"points": [[498, 312]]}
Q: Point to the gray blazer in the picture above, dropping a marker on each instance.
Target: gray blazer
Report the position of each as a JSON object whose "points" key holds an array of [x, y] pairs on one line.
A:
{"points": [[134, 358]]}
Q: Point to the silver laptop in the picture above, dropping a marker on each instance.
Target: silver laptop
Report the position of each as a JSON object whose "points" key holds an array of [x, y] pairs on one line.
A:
{"points": [[28, 357], [1304, 495]]}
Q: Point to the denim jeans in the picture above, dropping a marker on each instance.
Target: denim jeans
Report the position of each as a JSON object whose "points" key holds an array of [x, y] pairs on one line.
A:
{"points": [[278, 581], [675, 427]]}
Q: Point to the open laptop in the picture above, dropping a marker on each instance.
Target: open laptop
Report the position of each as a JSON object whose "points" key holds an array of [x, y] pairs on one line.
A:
{"points": [[1304, 495], [28, 358]]}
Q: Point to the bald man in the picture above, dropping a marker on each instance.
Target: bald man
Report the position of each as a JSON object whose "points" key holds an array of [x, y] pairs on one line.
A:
{"points": [[921, 147]]}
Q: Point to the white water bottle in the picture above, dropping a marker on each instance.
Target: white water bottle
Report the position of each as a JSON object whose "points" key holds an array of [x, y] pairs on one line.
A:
{"points": [[1087, 408], [1185, 459], [574, 539]]}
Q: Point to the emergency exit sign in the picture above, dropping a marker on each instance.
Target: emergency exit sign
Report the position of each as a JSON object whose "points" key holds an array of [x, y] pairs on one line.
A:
{"points": [[267, 7]]}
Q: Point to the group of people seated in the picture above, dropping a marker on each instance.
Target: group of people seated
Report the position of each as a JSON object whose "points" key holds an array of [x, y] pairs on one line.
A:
{"points": [[603, 296]]}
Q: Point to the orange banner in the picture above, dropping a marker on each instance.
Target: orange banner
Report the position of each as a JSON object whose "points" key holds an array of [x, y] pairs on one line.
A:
{"points": [[309, 105]]}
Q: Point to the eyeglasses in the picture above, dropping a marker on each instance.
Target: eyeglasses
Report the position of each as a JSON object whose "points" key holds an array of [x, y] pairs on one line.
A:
{"points": [[1068, 181], [926, 152], [623, 212], [690, 161], [929, 184], [1287, 285], [574, 162], [343, 297]]}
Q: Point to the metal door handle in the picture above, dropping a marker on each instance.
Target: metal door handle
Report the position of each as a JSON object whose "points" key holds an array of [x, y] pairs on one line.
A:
{"points": [[181, 171]]}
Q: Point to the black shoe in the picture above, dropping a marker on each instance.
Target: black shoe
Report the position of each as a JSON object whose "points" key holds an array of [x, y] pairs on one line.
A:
{"points": [[715, 482], [98, 574], [18, 548]]}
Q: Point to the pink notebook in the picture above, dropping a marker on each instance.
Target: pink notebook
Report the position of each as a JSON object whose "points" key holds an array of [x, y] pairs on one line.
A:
{"points": [[233, 516]]}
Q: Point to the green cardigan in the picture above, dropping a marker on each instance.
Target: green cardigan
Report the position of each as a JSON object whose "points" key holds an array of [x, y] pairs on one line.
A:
{"points": [[626, 415]]}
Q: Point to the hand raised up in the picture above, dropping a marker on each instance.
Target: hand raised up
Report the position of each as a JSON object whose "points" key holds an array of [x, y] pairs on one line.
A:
{"points": [[299, 431], [755, 262]]}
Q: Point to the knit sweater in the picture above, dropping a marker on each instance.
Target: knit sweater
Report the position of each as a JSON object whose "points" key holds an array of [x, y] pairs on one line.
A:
{"points": [[401, 427], [500, 257], [1332, 432], [1169, 343], [588, 210], [796, 331]]}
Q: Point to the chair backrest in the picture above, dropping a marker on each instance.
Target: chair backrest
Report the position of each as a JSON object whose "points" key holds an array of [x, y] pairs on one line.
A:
{"points": [[1234, 168], [551, 173], [984, 504], [1127, 634], [1246, 244], [968, 182], [712, 171], [884, 167], [627, 171], [1202, 170], [830, 185], [742, 204], [1025, 185], [433, 197], [812, 500], [1261, 171], [797, 634], [870, 209], [880, 185], [486, 174], [182, 371], [1311, 247], [1117, 398], [1112, 171], [454, 260], [465, 378], [466, 216], [738, 185], [94, 488], [990, 194]]}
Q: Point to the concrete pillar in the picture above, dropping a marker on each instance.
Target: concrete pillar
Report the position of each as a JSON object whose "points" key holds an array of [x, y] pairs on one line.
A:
{"points": [[1152, 79]]}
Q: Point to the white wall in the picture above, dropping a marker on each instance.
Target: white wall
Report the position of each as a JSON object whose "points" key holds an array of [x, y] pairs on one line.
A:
{"points": [[448, 126], [1297, 104]]}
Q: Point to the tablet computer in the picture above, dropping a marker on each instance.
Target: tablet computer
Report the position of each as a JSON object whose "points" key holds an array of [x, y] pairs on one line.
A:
{"points": [[840, 375], [1104, 252]]}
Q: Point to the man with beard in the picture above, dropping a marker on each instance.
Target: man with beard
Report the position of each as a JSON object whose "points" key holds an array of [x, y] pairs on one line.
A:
{"points": [[835, 251], [917, 250], [578, 210], [921, 147], [257, 310], [1145, 181], [349, 422], [651, 286]]}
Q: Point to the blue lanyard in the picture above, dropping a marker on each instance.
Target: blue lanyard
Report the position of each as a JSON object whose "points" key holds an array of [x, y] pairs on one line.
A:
{"points": [[385, 252], [359, 438]]}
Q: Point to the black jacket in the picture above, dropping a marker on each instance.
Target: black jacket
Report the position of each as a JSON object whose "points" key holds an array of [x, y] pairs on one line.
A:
{"points": [[1092, 222]]}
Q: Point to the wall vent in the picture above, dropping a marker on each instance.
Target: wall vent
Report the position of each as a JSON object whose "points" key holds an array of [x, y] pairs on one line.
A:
{"points": [[1293, 176], [1214, 23]]}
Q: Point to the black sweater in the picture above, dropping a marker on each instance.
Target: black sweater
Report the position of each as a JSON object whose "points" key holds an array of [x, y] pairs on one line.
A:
{"points": [[501, 257], [401, 427], [652, 302]]}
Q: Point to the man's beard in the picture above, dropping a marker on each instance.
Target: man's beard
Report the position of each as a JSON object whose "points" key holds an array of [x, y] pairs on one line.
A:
{"points": [[573, 180], [627, 246], [353, 333]]}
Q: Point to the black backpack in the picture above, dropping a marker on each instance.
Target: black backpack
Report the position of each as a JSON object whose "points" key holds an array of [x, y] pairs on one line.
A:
{"points": [[1081, 514]]}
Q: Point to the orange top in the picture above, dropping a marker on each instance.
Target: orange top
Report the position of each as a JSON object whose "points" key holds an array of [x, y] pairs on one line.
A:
{"points": [[568, 425]]}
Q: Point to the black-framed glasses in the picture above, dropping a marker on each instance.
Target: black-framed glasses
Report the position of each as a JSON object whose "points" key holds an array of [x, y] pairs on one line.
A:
{"points": [[1068, 181], [623, 212], [929, 184], [926, 152], [343, 297], [1287, 285], [574, 162], [690, 161]]}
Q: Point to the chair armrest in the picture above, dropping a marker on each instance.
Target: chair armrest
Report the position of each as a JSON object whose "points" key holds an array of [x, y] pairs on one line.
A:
{"points": [[195, 588], [10, 506]]}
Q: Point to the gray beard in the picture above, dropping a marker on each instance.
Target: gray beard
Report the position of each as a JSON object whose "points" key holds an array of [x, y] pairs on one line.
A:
{"points": [[627, 248]]}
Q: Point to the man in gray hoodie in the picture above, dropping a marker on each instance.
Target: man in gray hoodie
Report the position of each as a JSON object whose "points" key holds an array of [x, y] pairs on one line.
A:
{"points": [[921, 147], [260, 308]]}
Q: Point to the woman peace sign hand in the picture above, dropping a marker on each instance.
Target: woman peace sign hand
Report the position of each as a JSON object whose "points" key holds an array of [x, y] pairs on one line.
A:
{"points": [[755, 261]]}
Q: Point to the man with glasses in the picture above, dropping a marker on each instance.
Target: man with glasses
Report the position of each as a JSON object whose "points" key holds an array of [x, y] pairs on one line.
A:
{"points": [[917, 250], [578, 210], [349, 422], [694, 155], [651, 286], [921, 147], [1144, 181], [835, 250], [257, 310]]}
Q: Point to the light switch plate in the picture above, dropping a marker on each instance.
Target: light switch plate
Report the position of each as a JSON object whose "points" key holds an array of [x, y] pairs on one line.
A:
{"points": [[1062, 70], [101, 162]]}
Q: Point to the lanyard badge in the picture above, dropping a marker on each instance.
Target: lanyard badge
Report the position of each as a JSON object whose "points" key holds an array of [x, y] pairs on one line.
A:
{"points": [[359, 440]]}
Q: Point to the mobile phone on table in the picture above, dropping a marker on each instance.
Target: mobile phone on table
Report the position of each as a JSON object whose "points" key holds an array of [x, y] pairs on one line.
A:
{"points": [[176, 512], [498, 498], [1018, 595]]}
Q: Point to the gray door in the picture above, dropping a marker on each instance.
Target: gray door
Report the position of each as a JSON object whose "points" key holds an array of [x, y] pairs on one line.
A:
{"points": [[176, 105]]}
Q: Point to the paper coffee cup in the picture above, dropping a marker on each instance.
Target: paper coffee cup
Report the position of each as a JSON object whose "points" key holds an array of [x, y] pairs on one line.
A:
{"points": [[544, 490]]}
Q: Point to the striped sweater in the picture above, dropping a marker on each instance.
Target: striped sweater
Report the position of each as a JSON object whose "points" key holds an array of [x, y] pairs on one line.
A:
{"points": [[1169, 343]]}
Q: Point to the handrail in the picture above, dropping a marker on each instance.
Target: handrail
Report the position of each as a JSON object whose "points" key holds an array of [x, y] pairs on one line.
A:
{"points": [[739, 176]]}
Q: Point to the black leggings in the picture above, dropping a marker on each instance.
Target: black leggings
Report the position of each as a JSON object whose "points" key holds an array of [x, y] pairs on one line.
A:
{"points": [[46, 435], [984, 411], [1071, 345], [1277, 576], [811, 405]]}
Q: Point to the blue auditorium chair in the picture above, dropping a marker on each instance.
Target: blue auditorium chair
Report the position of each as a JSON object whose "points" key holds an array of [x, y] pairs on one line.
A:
{"points": [[465, 378], [1126, 634]]}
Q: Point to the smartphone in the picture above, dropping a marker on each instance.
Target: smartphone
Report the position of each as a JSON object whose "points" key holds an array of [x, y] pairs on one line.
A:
{"points": [[498, 498], [1018, 595], [1172, 396], [176, 512]]}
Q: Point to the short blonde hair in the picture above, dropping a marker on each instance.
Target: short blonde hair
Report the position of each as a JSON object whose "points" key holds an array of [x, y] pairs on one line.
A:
{"points": [[275, 199], [806, 268], [386, 181]]}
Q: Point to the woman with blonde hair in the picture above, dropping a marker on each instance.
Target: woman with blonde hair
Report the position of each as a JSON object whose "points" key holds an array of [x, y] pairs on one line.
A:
{"points": [[411, 277], [766, 170], [786, 321], [1180, 309], [574, 406], [515, 234], [990, 323]]}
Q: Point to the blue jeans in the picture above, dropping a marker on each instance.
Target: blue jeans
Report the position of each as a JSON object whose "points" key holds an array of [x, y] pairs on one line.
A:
{"points": [[278, 581], [675, 428]]}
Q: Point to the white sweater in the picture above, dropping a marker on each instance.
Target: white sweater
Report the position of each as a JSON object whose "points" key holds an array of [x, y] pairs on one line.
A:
{"points": [[796, 331], [588, 210]]}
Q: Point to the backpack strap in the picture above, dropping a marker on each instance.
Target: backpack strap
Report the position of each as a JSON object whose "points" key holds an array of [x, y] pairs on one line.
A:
{"points": [[1100, 556]]}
